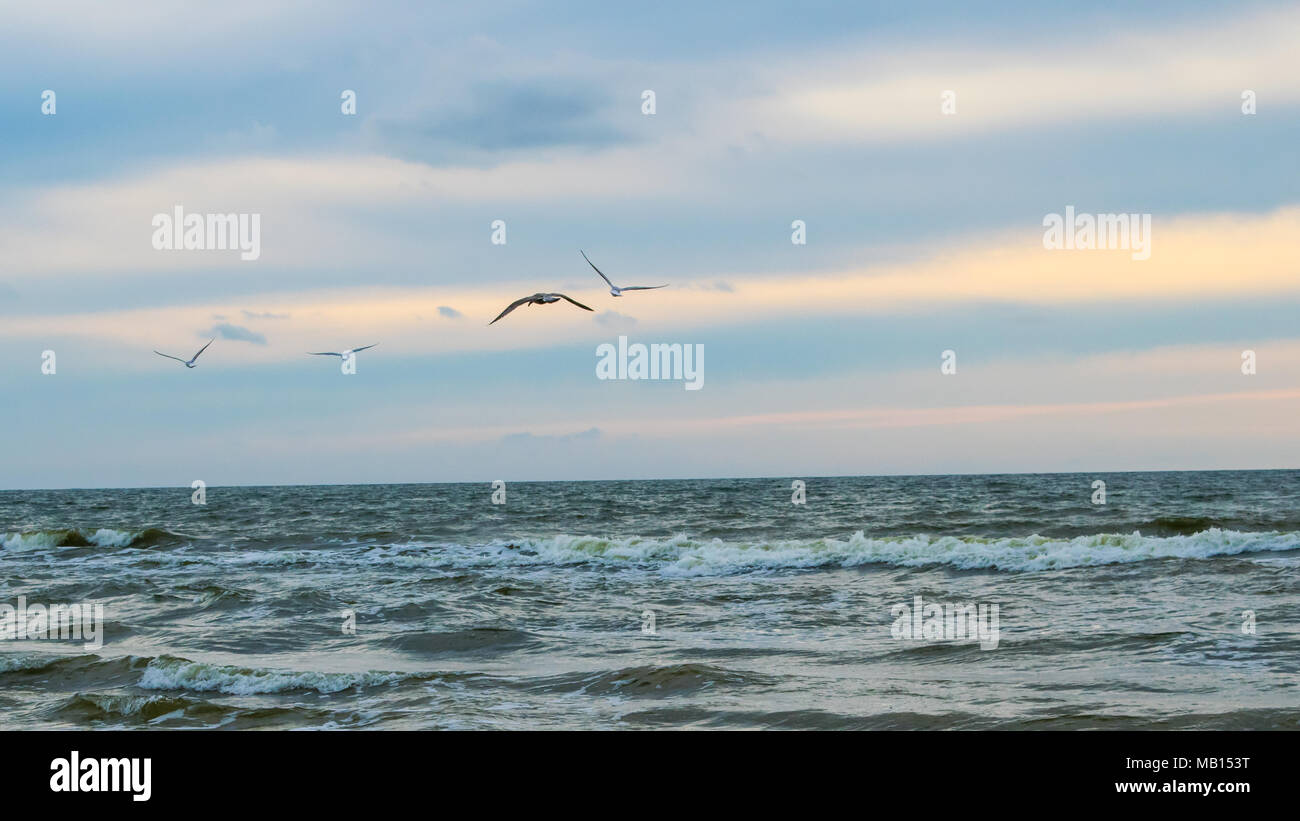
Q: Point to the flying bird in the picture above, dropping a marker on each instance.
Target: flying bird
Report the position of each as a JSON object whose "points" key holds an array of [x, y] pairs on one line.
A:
{"points": [[614, 289], [344, 354], [189, 364], [539, 299]]}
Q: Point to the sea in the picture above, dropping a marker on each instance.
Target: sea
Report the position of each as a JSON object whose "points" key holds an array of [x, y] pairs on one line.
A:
{"points": [[1090, 601]]}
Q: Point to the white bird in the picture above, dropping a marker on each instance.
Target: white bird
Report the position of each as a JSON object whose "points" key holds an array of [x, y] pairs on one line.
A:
{"points": [[539, 299], [614, 289], [189, 364], [344, 354]]}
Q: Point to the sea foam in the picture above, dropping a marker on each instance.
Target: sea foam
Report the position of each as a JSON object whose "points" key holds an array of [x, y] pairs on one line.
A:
{"points": [[683, 556], [172, 673]]}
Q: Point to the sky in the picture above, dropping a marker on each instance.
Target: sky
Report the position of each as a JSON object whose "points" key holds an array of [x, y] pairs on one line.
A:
{"points": [[920, 145]]}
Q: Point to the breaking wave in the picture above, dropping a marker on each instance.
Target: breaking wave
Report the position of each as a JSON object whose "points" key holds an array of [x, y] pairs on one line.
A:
{"points": [[684, 556], [103, 537], [173, 673]]}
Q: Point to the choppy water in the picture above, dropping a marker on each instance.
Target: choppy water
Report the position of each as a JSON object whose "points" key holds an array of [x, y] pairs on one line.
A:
{"points": [[766, 614]]}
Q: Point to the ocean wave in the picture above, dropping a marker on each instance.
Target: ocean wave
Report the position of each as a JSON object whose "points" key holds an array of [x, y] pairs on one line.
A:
{"points": [[674, 679], [108, 706], [84, 668], [103, 537], [174, 673], [24, 663], [684, 556], [475, 640]]}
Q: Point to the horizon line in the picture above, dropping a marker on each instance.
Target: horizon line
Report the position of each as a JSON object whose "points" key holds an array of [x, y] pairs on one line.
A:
{"points": [[782, 477]]}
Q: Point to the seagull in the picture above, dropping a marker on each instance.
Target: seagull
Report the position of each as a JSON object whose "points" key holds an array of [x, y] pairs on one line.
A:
{"points": [[539, 299], [344, 354], [614, 289], [189, 364]]}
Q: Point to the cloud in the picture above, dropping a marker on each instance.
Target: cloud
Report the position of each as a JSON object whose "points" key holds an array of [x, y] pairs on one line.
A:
{"points": [[1189, 257], [721, 285], [1174, 407], [256, 138], [546, 132], [236, 333], [309, 204], [613, 319], [588, 435], [870, 95], [503, 117]]}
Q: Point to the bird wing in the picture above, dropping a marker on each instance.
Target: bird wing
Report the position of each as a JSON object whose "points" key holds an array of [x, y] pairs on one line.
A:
{"points": [[169, 356], [594, 268], [574, 301], [204, 348], [323, 353], [354, 350], [641, 287], [514, 305]]}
